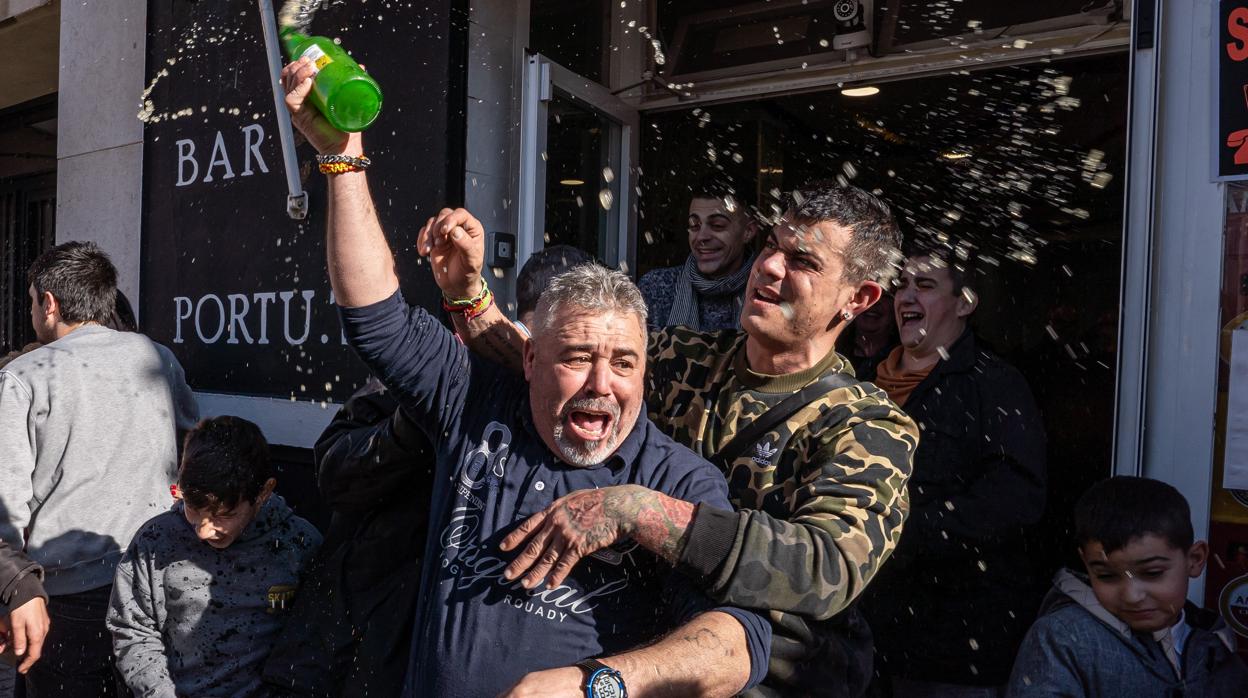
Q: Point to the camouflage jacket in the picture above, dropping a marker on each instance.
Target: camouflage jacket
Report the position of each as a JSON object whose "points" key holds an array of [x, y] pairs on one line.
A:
{"points": [[821, 500]]}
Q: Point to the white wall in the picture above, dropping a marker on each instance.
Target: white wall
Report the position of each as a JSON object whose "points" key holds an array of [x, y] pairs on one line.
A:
{"points": [[100, 138]]}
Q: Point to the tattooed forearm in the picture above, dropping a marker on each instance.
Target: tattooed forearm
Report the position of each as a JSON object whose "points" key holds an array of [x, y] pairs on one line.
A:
{"points": [[655, 521], [708, 656], [500, 345], [586, 521], [494, 337], [707, 640]]}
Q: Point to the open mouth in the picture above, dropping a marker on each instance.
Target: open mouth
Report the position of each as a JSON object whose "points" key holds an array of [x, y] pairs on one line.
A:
{"points": [[587, 431], [589, 425], [911, 317], [589, 419], [705, 256], [765, 296]]}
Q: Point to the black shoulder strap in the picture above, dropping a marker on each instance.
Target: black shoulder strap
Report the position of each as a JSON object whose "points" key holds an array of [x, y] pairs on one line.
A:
{"points": [[768, 420]]}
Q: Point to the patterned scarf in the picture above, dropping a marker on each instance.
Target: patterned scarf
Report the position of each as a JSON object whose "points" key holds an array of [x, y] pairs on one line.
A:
{"points": [[692, 284]]}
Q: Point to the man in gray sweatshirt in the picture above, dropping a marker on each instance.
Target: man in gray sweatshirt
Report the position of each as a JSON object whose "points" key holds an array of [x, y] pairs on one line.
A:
{"points": [[205, 587], [88, 450]]}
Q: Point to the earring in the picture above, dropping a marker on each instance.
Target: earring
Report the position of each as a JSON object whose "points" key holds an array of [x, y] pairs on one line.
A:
{"points": [[846, 315]]}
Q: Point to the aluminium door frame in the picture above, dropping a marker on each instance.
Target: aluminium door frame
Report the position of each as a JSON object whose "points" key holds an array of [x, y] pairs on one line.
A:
{"points": [[543, 79]]}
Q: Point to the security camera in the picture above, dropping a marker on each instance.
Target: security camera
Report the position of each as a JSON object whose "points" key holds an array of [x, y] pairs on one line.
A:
{"points": [[851, 25]]}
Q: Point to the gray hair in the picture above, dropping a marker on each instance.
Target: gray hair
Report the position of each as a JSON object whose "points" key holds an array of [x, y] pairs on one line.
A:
{"points": [[592, 287]]}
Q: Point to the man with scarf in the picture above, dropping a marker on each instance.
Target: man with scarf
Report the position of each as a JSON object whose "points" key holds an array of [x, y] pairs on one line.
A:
{"points": [[705, 292], [951, 609]]}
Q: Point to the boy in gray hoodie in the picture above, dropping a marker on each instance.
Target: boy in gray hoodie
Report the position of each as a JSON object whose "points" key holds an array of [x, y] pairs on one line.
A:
{"points": [[1127, 628], [204, 588]]}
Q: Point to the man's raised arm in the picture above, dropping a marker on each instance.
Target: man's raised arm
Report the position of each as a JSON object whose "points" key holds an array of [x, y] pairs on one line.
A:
{"points": [[406, 348], [454, 242], [361, 268]]}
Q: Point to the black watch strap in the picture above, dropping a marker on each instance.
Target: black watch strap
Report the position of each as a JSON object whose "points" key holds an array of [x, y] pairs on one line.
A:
{"points": [[589, 666]]}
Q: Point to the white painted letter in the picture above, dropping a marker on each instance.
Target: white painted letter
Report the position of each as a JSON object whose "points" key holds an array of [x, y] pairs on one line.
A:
{"points": [[218, 146], [180, 316], [237, 317], [252, 146], [186, 153], [199, 330], [307, 315], [264, 299]]}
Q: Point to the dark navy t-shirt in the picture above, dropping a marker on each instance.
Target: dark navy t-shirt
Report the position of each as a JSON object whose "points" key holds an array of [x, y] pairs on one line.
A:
{"points": [[476, 633]]}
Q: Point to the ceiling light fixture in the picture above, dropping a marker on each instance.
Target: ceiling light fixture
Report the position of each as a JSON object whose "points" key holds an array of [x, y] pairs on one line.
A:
{"points": [[572, 182], [955, 155], [860, 91]]}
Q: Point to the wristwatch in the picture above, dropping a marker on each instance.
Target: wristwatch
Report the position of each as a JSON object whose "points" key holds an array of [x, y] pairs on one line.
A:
{"points": [[601, 681]]}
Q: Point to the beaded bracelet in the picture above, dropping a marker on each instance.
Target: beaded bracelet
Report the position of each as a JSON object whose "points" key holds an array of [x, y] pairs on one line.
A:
{"points": [[470, 307], [339, 164], [479, 310]]}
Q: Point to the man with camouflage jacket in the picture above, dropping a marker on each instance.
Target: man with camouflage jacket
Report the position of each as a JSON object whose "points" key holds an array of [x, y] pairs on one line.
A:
{"points": [[821, 498]]}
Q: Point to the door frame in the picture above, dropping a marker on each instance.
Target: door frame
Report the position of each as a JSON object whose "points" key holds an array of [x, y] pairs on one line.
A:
{"points": [[543, 79]]}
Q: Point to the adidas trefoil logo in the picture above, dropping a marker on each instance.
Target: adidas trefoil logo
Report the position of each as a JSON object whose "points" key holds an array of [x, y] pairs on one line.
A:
{"points": [[765, 452]]}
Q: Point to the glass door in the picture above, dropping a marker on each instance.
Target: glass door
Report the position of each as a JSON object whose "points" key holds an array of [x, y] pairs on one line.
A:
{"points": [[578, 155]]}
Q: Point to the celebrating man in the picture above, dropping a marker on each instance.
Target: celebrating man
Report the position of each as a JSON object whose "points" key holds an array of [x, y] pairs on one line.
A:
{"points": [[951, 610], [506, 451], [707, 291], [816, 462]]}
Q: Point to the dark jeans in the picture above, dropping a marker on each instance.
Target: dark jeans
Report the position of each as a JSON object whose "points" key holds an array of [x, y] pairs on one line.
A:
{"points": [[77, 659]]}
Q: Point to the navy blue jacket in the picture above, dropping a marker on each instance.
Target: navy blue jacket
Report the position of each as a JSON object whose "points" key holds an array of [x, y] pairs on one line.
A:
{"points": [[958, 595], [476, 633]]}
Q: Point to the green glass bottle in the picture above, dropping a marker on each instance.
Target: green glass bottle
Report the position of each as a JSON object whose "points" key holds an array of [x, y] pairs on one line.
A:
{"points": [[348, 97]]}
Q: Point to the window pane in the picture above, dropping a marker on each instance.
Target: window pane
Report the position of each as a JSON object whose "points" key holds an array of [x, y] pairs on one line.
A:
{"points": [[1228, 525], [576, 157]]}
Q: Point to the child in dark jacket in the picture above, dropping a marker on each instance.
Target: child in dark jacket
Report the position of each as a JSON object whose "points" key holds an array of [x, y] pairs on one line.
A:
{"points": [[1126, 628], [203, 589]]}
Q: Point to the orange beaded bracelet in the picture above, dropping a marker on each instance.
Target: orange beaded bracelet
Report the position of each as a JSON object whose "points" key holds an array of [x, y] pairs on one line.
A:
{"points": [[340, 164]]}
